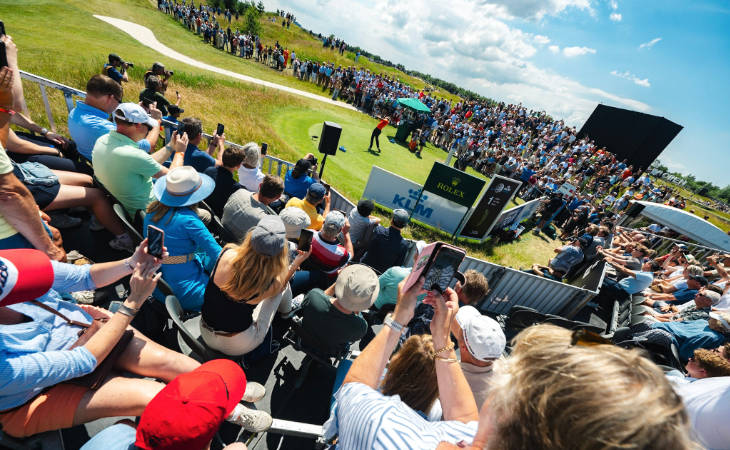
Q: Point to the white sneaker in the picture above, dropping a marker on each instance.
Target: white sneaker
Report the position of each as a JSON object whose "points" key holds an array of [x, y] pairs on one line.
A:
{"points": [[250, 419], [64, 221], [122, 243], [254, 392], [296, 305]]}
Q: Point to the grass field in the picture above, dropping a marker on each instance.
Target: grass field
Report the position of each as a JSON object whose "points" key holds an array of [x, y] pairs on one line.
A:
{"points": [[65, 43], [719, 218]]}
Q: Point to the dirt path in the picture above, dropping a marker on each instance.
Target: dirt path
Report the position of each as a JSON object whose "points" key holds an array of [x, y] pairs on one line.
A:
{"points": [[145, 36]]}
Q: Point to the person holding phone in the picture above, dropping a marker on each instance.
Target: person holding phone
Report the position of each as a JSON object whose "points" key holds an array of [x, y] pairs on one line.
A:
{"points": [[198, 159], [387, 247], [192, 248]]}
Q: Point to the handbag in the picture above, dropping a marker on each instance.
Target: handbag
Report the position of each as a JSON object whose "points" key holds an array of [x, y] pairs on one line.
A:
{"points": [[94, 379]]}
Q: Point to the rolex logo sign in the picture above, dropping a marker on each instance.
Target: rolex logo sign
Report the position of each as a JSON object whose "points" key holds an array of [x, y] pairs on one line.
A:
{"points": [[451, 188]]}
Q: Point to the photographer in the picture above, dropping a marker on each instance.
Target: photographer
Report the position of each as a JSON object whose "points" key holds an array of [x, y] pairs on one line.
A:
{"points": [[154, 93], [116, 69], [303, 175], [158, 69]]}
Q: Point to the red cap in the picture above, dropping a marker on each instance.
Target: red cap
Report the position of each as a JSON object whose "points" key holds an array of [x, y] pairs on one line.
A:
{"points": [[25, 274], [186, 413]]}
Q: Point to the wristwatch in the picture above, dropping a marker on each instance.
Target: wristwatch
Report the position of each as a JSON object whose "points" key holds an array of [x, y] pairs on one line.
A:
{"points": [[127, 311], [397, 327], [44, 132]]}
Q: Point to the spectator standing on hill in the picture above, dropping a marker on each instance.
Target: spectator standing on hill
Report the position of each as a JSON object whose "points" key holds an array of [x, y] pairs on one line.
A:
{"points": [[376, 133], [122, 168], [89, 120], [153, 93], [116, 69]]}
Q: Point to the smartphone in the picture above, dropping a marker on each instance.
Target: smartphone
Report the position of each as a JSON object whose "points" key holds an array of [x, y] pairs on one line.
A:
{"points": [[219, 130], [438, 263], [114, 306], [3, 55], [264, 148], [326, 187], [155, 241], [2, 28], [180, 129], [305, 240]]}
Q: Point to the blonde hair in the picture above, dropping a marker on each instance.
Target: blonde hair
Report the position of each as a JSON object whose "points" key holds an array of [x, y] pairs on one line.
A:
{"points": [[159, 209], [412, 374], [253, 273], [551, 394]]}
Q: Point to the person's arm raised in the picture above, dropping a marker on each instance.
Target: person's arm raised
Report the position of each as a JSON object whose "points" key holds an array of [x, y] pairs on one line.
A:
{"points": [[154, 133], [368, 367], [104, 274], [457, 400]]}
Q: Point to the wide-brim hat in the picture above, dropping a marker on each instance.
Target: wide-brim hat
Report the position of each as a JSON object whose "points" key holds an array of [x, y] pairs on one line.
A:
{"points": [[183, 186], [357, 287]]}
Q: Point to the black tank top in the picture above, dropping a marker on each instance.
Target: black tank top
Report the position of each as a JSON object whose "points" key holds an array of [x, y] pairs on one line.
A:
{"points": [[221, 312]]}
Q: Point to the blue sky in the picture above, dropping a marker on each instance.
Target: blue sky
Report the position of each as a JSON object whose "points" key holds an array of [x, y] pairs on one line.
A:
{"points": [[563, 56]]}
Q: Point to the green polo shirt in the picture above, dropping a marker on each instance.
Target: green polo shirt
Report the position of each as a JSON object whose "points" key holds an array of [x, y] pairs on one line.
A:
{"points": [[6, 230], [125, 170]]}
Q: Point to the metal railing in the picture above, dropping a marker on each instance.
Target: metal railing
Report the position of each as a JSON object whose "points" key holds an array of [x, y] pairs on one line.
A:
{"points": [[508, 287]]}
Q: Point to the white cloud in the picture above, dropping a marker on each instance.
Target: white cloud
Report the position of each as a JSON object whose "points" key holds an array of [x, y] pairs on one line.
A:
{"points": [[613, 4], [616, 17], [631, 77], [650, 44], [471, 43], [571, 52]]}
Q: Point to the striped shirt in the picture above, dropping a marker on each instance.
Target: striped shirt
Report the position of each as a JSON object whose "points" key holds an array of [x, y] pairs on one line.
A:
{"points": [[367, 419], [327, 256]]}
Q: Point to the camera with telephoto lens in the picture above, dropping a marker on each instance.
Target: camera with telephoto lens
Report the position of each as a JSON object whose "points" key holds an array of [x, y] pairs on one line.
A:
{"points": [[169, 73], [129, 64]]}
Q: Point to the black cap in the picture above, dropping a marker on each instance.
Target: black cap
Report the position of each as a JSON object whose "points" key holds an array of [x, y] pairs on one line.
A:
{"points": [[701, 280], [365, 207], [174, 109], [114, 57]]}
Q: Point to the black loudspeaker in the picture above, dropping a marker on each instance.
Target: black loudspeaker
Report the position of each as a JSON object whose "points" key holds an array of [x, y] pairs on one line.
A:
{"points": [[329, 138]]}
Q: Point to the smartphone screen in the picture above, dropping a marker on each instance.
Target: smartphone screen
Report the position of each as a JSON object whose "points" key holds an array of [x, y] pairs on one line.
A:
{"points": [[180, 129], [305, 240], [219, 130], [155, 241], [326, 187], [264, 148], [3, 55], [443, 268]]}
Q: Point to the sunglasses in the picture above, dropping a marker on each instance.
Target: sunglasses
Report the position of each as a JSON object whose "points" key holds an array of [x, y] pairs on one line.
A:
{"points": [[585, 338]]}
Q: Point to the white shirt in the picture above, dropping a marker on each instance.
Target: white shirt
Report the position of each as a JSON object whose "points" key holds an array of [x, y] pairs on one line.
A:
{"points": [[250, 178], [723, 303], [367, 419], [707, 402]]}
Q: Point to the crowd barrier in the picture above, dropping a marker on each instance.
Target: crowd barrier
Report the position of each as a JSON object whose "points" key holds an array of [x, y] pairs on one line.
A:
{"points": [[508, 287]]}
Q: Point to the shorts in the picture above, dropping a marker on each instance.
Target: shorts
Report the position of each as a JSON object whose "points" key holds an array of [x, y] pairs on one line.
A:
{"points": [[53, 409], [44, 195]]}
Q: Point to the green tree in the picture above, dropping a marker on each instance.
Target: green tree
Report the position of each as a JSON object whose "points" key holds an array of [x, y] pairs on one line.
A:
{"points": [[251, 21], [260, 7]]}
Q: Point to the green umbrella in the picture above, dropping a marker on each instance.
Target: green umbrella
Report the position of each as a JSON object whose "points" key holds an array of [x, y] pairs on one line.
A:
{"points": [[415, 104]]}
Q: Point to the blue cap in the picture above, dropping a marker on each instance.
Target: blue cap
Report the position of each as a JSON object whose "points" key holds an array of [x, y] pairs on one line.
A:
{"points": [[316, 191]]}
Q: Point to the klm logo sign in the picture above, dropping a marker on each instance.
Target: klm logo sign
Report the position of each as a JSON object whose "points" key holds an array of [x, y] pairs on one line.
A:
{"points": [[407, 202]]}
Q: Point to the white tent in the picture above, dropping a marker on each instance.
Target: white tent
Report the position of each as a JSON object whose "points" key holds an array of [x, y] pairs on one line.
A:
{"points": [[686, 223]]}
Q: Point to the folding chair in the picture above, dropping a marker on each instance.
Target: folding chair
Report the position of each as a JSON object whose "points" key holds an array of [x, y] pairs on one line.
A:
{"points": [[127, 224], [188, 336]]}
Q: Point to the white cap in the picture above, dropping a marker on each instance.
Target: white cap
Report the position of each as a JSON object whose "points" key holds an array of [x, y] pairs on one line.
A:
{"points": [[483, 337], [133, 113]]}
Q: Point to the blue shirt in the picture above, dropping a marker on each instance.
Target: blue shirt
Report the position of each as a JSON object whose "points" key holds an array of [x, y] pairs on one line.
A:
{"points": [[113, 73], [185, 233], [367, 419], [197, 158], [691, 335], [568, 257], [34, 355], [636, 284], [297, 187], [86, 124]]}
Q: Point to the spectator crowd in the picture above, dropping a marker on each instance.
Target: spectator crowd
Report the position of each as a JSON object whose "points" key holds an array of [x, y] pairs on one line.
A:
{"points": [[243, 249]]}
